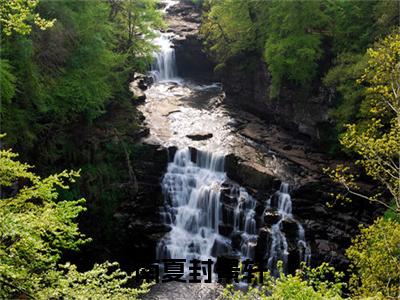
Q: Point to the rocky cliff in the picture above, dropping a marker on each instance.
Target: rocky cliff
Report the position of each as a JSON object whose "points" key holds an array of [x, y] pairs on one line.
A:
{"points": [[246, 82], [192, 62]]}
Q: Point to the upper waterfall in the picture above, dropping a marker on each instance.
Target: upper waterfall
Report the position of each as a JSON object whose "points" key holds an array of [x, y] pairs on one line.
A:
{"points": [[164, 65]]}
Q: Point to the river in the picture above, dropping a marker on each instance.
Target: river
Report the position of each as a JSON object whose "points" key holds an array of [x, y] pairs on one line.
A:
{"points": [[209, 214]]}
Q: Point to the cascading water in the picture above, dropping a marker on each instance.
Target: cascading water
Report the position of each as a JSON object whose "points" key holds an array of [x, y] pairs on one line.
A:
{"points": [[279, 245], [199, 213], [192, 192], [164, 65]]}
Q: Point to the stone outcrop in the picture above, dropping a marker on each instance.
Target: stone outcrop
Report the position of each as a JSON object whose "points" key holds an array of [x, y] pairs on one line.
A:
{"points": [[301, 112], [139, 84], [328, 228], [137, 219], [192, 62], [201, 136]]}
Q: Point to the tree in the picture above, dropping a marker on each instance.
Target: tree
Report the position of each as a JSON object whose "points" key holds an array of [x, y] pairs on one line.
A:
{"points": [[375, 261], [18, 16], [233, 27], [293, 46], [35, 228], [307, 284], [377, 141], [134, 23]]}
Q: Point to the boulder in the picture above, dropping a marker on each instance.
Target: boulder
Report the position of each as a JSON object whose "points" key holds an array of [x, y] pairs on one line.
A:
{"points": [[271, 217], [199, 136]]}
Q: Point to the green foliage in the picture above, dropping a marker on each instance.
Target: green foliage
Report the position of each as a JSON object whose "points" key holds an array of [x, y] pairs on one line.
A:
{"points": [[293, 46], [68, 74], [18, 15], [233, 28], [377, 141], [375, 261], [228, 28], [134, 23], [35, 227], [342, 77], [306, 284], [7, 82], [104, 281], [353, 28]]}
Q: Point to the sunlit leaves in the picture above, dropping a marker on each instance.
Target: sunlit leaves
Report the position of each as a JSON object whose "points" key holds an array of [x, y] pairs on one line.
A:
{"points": [[377, 143], [18, 16], [35, 227], [375, 258], [307, 284]]}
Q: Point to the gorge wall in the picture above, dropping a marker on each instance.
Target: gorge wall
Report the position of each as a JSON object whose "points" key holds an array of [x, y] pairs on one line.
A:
{"points": [[246, 82]]}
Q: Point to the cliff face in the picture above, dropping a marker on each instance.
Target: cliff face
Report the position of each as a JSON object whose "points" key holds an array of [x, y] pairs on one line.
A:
{"points": [[184, 21], [248, 88]]}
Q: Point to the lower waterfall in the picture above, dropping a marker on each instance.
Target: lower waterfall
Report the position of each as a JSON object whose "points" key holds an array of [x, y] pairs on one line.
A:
{"points": [[212, 216]]}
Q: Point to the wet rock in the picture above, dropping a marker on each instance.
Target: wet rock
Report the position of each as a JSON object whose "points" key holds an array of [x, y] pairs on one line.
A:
{"points": [[182, 290], [184, 21], [271, 217], [290, 228], [263, 244], [325, 246], [171, 152], [236, 241], [225, 230], [221, 247], [247, 174], [138, 94], [287, 147], [200, 136]]}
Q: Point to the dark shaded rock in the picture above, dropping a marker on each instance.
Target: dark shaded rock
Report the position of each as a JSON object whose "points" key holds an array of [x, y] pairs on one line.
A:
{"points": [[139, 84], [263, 244], [225, 230], [200, 136], [305, 113], [221, 247], [236, 241], [171, 153], [290, 228], [193, 154], [192, 62], [247, 175], [271, 217], [287, 147]]}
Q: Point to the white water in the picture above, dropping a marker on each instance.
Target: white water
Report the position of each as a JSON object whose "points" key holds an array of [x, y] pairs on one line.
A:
{"points": [[192, 192], [193, 208], [279, 245], [192, 189], [164, 66]]}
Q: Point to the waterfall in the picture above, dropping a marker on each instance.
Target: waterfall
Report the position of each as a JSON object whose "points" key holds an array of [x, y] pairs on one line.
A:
{"points": [[209, 215], [164, 65], [279, 249], [192, 191]]}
